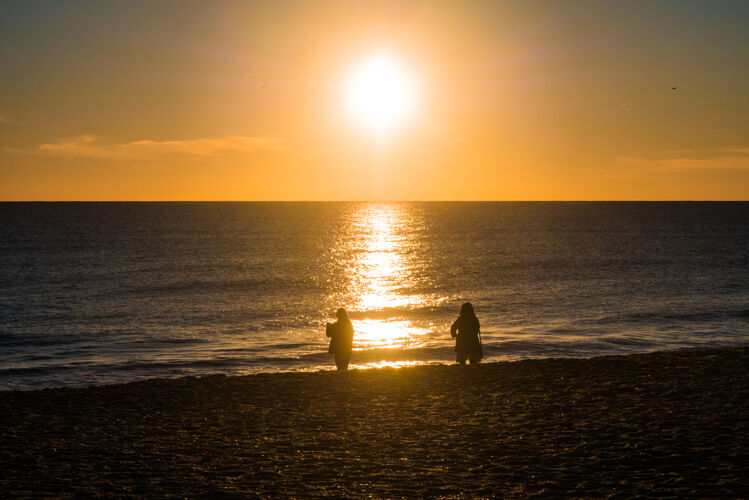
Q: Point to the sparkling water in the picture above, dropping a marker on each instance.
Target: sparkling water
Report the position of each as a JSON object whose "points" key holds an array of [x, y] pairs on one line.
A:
{"points": [[95, 293]]}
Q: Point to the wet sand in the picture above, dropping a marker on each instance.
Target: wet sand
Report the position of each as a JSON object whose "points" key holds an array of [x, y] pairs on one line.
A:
{"points": [[661, 424]]}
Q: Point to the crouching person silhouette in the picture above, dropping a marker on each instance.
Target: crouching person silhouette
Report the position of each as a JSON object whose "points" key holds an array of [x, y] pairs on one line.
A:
{"points": [[341, 335], [466, 331]]}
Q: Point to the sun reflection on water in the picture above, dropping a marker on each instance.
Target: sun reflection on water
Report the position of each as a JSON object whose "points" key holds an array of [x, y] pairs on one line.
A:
{"points": [[379, 266], [386, 334], [381, 270], [391, 364]]}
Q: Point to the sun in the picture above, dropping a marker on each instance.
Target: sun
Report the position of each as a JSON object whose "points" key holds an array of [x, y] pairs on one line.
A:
{"points": [[380, 93]]}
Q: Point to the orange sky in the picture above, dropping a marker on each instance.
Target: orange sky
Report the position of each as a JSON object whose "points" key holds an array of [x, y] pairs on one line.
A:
{"points": [[245, 101]]}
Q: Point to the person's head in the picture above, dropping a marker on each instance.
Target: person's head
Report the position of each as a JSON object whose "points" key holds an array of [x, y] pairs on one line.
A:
{"points": [[341, 314], [467, 309]]}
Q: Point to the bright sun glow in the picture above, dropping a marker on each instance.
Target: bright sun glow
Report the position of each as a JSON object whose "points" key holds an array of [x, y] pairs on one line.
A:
{"points": [[380, 93]]}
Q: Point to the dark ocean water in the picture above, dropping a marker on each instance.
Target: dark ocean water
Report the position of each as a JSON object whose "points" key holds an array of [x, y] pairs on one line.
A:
{"points": [[96, 293]]}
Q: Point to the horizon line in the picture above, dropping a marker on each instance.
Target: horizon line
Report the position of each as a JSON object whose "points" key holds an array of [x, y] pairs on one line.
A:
{"points": [[389, 201]]}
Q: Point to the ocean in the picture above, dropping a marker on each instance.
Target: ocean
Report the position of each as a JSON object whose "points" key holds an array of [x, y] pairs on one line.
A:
{"points": [[100, 293]]}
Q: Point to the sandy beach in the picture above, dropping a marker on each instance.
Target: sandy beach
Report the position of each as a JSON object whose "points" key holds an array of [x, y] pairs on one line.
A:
{"points": [[660, 424]]}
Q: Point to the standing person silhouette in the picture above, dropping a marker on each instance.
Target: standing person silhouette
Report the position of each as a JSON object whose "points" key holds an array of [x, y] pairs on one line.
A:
{"points": [[468, 340], [341, 335]]}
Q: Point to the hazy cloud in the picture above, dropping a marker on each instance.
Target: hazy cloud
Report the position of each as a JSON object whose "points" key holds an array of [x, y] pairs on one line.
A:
{"points": [[91, 146], [730, 160]]}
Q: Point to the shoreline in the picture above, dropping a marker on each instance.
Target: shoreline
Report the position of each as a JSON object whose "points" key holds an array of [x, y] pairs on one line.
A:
{"points": [[661, 423], [405, 363]]}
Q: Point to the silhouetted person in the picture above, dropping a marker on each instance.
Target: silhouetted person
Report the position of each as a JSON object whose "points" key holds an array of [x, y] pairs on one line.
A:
{"points": [[468, 341], [341, 335]]}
